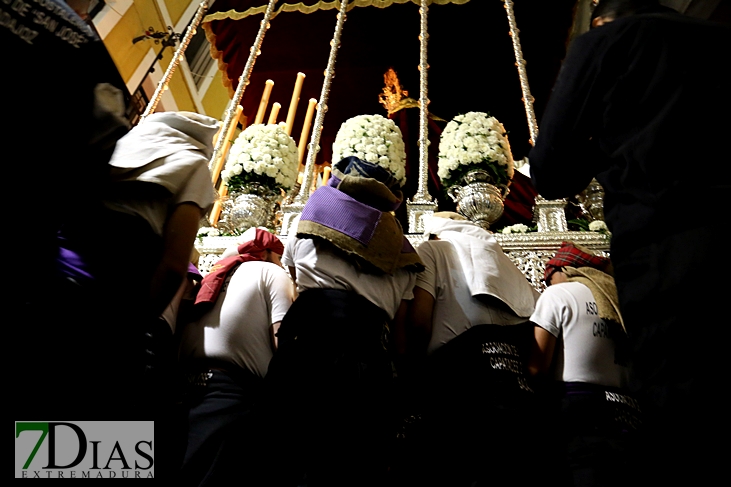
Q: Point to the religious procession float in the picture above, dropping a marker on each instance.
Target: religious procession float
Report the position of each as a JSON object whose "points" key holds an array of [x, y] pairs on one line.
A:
{"points": [[264, 176]]}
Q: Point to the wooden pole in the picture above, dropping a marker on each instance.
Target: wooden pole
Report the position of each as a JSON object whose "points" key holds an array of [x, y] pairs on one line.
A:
{"points": [[264, 101], [218, 205], [217, 134], [275, 112], [295, 101], [306, 131], [226, 145]]}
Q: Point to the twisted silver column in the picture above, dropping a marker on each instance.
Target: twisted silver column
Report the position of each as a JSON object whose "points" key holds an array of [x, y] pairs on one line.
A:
{"points": [[422, 203], [550, 215], [243, 81], [422, 193], [314, 145], [520, 63]]}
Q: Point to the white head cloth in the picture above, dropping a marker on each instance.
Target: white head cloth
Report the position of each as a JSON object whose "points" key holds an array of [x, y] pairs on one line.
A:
{"points": [[163, 149], [486, 268]]}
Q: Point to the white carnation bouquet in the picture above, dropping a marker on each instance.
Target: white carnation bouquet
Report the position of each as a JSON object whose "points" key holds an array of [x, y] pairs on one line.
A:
{"points": [[598, 226], [517, 228], [262, 154], [375, 139], [208, 232], [471, 141]]}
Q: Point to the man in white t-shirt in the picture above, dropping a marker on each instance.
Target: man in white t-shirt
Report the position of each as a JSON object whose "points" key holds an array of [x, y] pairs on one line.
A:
{"points": [[226, 352], [580, 348], [467, 281], [331, 377], [467, 327], [317, 266]]}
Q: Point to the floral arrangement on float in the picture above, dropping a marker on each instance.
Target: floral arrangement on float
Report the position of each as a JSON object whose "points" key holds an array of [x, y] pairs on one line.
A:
{"points": [[375, 139], [208, 232], [579, 224], [517, 228], [262, 155], [472, 141], [598, 226], [262, 164], [584, 225], [476, 165]]}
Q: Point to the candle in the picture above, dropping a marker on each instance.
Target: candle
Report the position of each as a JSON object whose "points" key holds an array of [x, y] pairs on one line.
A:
{"points": [[264, 101], [295, 100], [216, 135], [218, 205], [226, 145], [299, 178], [306, 131], [326, 175], [274, 113]]}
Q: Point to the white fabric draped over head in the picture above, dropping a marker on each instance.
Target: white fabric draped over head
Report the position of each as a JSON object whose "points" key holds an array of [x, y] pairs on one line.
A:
{"points": [[486, 268], [162, 149]]}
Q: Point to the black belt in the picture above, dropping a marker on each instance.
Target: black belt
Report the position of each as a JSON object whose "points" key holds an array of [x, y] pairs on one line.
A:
{"points": [[200, 371]]}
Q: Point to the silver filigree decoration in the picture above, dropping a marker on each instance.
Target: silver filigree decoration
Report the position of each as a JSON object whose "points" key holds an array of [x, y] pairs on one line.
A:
{"points": [[550, 215], [252, 207], [289, 213], [529, 251], [532, 264], [206, 261], [211, 248], [591, 201]]}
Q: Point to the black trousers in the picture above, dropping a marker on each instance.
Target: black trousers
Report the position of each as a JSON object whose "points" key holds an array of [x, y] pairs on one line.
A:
{"points": [[327, 394], [218, 404], [596, 431], [478, 413]]}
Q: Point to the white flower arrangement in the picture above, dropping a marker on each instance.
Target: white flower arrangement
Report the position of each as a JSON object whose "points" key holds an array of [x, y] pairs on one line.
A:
{"points": [[375, 139], [517, 228], [262, 154], [208, 232], [598, 226], [471, 141]]}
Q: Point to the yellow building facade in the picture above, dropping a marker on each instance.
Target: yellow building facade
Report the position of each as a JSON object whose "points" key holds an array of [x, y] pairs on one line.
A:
{"points": [[138, 35]]}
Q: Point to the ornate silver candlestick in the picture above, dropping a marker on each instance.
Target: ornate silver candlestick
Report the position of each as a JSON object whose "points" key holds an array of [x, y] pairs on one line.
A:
{"points": [[422, 203], [549, 215], [291, 210]]}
